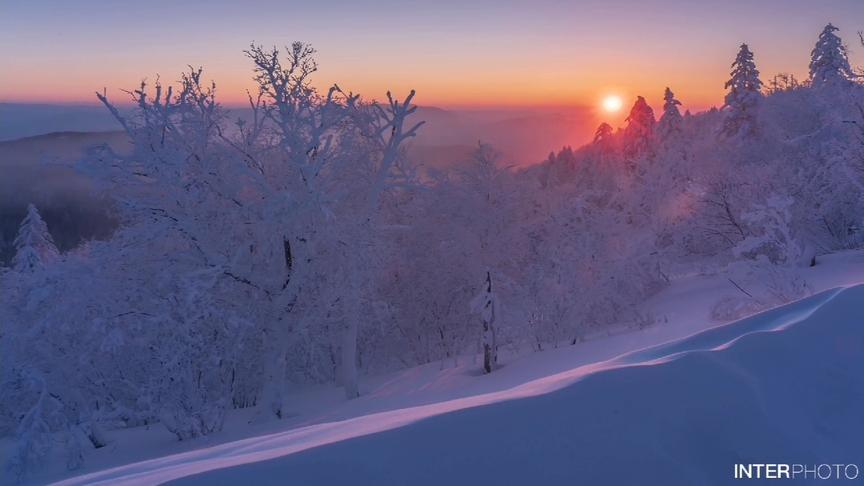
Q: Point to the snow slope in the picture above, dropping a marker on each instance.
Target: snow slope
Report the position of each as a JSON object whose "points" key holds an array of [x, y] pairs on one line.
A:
{"points": [[782, 386]]}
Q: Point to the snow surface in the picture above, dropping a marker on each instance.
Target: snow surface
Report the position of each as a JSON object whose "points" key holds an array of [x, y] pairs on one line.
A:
{"points": [[782, 386]]}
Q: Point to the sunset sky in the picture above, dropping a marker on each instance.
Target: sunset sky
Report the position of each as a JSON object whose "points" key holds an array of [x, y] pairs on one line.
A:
{"points": [[454, 53]]}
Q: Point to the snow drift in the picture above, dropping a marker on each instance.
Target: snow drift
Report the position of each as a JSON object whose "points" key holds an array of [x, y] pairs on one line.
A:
{"points": [[784, 386]]}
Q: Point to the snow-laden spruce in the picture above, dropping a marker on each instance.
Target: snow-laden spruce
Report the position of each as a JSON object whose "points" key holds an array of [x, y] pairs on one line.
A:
{"points": [[742, 100], [34, 245], [829, 62], [604, 132], [669, 125], [639, 133]]}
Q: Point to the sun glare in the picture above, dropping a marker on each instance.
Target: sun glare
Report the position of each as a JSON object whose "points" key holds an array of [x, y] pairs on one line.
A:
{"points": [[612, 103]]}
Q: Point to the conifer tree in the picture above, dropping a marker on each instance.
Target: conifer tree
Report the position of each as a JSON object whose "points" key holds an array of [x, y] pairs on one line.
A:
{"points": [[670, 121], [34, 246], [639, 134], [604, 131], [744, 96], [829, 62]]}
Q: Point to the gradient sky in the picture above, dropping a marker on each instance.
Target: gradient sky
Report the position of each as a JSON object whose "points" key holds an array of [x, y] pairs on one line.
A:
{"points": [[454, 52]]}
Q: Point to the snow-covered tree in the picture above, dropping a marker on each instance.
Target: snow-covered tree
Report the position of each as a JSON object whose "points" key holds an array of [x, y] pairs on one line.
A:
{"points": [[343, 155], [303, 178], [603, 133], [33, 433], [54, 378], [829, 62], [670, 122], [639, 133], [34, 246], [744, 96]]}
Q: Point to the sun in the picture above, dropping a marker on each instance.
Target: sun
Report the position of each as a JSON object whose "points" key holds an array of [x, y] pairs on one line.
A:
{"points": [[612, 103]]}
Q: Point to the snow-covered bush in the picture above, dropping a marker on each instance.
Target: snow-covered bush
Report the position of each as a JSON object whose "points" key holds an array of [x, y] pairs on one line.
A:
{"points": [[756, 285], [734, 307], [770, 232]]}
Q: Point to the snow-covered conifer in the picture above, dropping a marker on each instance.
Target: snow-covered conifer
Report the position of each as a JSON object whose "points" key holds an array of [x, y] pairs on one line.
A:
{"points": [[639, 134], [670, 122], [829, 63], [34, 246], [744, 96], [604, 131]]}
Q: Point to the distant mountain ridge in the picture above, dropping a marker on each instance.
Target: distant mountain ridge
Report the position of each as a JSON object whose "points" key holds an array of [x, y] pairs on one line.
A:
{"points": [[523, 136]]}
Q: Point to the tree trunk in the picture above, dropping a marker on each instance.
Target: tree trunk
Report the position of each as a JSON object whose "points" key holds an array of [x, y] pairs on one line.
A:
{"points": [[273, 395], [349, 338], [349, 357], [490, 346], [488, 358]]}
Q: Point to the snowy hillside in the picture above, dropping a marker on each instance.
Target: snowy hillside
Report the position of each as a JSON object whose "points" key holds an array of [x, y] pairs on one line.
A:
{"points": [[738, 395], [781, 386], [321, 416]]}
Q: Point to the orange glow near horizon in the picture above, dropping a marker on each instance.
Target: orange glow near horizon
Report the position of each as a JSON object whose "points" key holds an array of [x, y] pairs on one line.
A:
{"points": [[482, 54], [461, 82], [478, 93], [474, 77]]}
